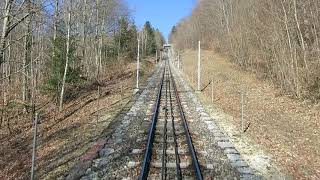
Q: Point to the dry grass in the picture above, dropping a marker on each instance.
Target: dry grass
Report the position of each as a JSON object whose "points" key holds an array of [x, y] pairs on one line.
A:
{"points": [[286, 128], [64, 137]]}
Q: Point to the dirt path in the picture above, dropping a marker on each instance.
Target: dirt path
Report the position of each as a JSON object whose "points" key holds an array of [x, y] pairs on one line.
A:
{"points": [[285, 129]]}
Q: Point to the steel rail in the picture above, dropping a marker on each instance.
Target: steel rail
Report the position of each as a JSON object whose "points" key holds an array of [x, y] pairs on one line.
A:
{"points": [[148, 153], [164, 148], [176, 151], [192, 151]]}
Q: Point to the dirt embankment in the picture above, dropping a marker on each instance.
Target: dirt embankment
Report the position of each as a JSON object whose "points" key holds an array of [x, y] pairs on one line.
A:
{"points": [[286, 128], [65, 137]]}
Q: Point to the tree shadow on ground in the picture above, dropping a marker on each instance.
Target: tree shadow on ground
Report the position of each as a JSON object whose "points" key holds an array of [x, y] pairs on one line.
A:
{"points": [[69, 154]]}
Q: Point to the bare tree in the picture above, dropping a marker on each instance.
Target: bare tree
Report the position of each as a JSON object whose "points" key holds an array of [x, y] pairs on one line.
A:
{"points": [[67, 56], [5, 29], [276, 39], [27, 56]]}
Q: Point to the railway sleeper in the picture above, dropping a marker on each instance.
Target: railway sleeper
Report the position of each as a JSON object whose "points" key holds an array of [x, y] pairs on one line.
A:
{"points": [[169, 127], [169, 152], [178, 133], [183, 164], [161, 119], [158, 164], [157, 177], [176, 119]]}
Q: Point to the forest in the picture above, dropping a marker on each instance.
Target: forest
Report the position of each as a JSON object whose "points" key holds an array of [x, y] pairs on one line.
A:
{"points": [[50, 47], [57, 58], [278, 40]]}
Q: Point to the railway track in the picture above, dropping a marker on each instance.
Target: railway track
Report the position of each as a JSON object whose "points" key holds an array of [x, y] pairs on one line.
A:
{"points": [[166, 134], [169, 152]]}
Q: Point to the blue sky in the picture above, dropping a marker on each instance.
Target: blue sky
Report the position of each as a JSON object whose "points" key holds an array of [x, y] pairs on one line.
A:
{"points": [[163, 14]]}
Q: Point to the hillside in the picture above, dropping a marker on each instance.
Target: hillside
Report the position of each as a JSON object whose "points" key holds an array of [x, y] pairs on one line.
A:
{"points": [[277, 40], [287, 129], [64, 137]]}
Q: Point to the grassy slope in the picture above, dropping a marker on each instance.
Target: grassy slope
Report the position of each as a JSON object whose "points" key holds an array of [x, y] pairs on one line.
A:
{"points": [[288, 129], [65, 136]]}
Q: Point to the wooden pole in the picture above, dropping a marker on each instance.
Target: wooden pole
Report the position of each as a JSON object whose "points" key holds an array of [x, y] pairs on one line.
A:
{"points": [[138, 65], [199, 67], [34, 145], [178, 60], [212, 89], [98, 107], [156, 56], [242, 104]]}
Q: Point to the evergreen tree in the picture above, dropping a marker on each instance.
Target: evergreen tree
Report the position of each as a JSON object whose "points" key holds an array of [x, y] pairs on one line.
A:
{"points": [[153, 39], [57, 65], [159, 39], [132, 41], [172, 33], [151, 45], [125, 41]]}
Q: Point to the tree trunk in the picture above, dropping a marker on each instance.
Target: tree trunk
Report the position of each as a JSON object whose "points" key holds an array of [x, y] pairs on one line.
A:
{"points": [[293, 70], [67, 58], [97, 39], [55, 26], [27, 58], [100, 46], [5, 28], [301, 38], [84, 19]]}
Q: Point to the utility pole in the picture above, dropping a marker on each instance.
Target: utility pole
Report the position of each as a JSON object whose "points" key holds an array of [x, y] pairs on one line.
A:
{"points": [[34, 145], [199, 66], [178, 60], [242, 110], [156, 55], [138, 65]]}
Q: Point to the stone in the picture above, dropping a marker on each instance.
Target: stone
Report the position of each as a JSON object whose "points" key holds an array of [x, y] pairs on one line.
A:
{"points": [[245, 170], [212, 127], [218, 134], [208, 122], [204, 114], [221, 139], [106, 152], [88, 171], [137, 151], [233, 157], [240, 163], [126, 123], [85, 178], [132, 164], [225, 145], [103, 163], [118, 140], [206, 118], [249, 177], [209, 166], [94, 176], [231, 151]]}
